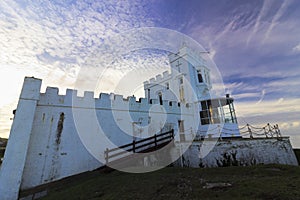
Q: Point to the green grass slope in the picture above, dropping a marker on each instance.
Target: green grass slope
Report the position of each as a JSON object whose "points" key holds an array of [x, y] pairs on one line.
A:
{"points": [[255, 182]]}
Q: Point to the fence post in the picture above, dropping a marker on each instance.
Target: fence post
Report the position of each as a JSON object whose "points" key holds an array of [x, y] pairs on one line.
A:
{"points": [[278, 130], [250, 131], [106, 155], [220, 133], [133, 146], [265, 131], [270, 131]]}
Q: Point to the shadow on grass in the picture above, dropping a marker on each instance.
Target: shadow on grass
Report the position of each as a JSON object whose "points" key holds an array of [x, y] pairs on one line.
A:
{"points": [[254, 182]]}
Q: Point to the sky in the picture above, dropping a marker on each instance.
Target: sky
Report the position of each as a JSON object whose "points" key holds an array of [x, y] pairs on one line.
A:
{"points": [[255, 45]]}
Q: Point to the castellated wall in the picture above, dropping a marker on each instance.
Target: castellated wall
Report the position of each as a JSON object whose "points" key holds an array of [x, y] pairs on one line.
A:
{"points": [[61, 146], [159, 84], [54, 136]]}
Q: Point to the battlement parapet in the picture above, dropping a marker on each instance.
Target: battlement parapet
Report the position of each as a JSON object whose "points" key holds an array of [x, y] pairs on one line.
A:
{"points": [[158, 79], [105, 101]]}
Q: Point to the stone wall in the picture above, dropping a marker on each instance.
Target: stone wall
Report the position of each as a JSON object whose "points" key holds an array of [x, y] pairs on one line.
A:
{"points": [[237, 152]]}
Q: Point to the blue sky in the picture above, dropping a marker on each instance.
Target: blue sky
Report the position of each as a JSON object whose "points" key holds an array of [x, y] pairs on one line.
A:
{"points": [[255, 45]]}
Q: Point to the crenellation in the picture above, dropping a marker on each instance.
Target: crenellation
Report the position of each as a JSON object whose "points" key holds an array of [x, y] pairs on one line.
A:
{"points": [[104, 96], [143, 101], [103, 101], [51, 97], [158, 77], [51, 91], [88, 94], [118, 98], [152, 80], [131, 99], [71, 92], [166, 74]]}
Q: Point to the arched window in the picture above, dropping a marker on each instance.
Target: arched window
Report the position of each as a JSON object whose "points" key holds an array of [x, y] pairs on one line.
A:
{"points": [[200, 78], [160, 98]]}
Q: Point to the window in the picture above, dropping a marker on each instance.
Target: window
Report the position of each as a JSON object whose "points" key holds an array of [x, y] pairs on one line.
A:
{"points": [[160, 98], [181, 125], [178, 66], [181, 81], [229, 112], [167, 86], [217, 111], [181, 94], [200, 78]]}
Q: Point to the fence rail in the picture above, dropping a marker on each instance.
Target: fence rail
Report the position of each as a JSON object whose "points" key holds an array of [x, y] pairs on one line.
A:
{"points": [[140, 146], [268, 131]]}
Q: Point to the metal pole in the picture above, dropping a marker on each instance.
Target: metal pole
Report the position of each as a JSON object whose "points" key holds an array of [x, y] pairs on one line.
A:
{"points": [[106, 155], [133, 146], [250, 131]]}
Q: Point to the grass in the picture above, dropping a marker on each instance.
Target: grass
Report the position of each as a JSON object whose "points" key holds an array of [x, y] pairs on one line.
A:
{"points": [[254, 182]]}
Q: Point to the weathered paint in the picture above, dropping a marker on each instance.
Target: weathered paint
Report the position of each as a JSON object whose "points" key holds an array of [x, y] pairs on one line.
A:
{"points": [[13, 165], [238, 152]]}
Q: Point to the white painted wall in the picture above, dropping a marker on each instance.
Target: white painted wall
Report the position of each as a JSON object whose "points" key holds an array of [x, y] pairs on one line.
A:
{"points": [[15, 156], [63, 132], [246, 151]]}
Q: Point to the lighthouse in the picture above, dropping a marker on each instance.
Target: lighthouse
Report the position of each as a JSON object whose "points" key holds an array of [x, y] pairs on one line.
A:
{"points": [[189, 83]]}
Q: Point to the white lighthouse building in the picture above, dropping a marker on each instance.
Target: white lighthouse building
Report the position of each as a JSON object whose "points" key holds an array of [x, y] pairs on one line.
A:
{"points": [[55, 136], [190, 83]]}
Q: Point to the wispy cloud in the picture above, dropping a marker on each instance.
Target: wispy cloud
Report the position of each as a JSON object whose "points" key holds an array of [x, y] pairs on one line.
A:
{"points": [[279, 13], [53, 40], [268, 106], [265, 6], [297, 48]]}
